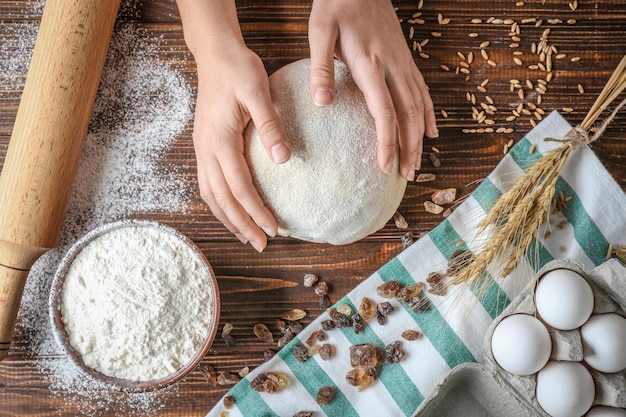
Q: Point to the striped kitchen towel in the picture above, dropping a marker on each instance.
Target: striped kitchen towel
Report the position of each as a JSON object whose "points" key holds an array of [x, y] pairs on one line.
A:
{"points": [[453, 329]]}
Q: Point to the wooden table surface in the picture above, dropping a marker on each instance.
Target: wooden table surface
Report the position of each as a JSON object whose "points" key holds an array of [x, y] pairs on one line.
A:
{"points": [[257, 287]]}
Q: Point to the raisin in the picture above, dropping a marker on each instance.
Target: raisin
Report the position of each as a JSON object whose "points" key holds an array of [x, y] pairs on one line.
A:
{"points": [[411, 335], [388, 289], [263, 333], [268, 354], [345, 309], [367, 308], [227, 378], [209, 373], [363, 356], [300, 352], [340, 320], [361, 377], [393, 352], [295, 326], [407, 240], [328, 325], [459, 260], [358, 323], [321, 288], [304, 414], [326, 351], [229, 340], [325, 395], [419, 304], [437, 284], [381, 318], [325, 301], [286, 338], [293, 315], [269, 382], [313, 338], [385, 308], [410, 291], [229, 401]]}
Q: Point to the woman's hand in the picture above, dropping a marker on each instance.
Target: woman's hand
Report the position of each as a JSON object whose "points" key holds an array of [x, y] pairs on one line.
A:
{"points": [[233, 88], [366, 35]]}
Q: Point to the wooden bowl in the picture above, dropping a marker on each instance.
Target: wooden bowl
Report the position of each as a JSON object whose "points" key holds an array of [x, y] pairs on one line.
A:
{"points": [[62, 337]]}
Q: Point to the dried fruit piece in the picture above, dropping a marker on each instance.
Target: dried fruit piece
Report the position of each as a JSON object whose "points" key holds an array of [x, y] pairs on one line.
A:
{"points": [[310, 280], [340, 320], [325, 301], [425, 177], [432, 207], [313, 350], [388, 289], [437, 284], [407, 240], [358, 323], [361, 377], [227, 378], [410, 291], [229, 341], [321, 289], [325, 395], [281, 325], [445, 196], [328, 325], [459, 260], [244, 371], [367, 309], [269, 382], [304, 414], [385, 308], [418, 304], [268, 354], [228, 401], [228, 327], [313, 337], [295, 326], [393, 352], [363, 356], [263, 333], [381, 318], [300, 352], [209, 373], [285, 338], [411, 335], [345, 309], [293, 315], [434, 159], [326, 351]]}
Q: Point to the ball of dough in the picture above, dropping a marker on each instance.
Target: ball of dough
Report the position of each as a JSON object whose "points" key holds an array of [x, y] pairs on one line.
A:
{"points": [[331, 189]]}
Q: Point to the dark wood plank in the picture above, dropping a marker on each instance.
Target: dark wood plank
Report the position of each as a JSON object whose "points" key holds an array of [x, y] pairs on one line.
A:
{"points": [[256, 287]]}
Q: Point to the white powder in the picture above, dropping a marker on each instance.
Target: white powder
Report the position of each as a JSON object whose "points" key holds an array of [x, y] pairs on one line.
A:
{"points": [[120, 176], [137, 303]]}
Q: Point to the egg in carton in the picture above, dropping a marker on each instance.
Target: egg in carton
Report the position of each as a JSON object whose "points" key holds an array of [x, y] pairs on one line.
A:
{"points": [[489, 390]]}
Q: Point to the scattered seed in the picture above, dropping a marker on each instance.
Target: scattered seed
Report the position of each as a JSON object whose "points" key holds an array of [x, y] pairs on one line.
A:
{"points": [[444, 67], [436, 34], [444, 113], [473, 35], [424, 55], [434, 160], [581, 89], [425, 177]]}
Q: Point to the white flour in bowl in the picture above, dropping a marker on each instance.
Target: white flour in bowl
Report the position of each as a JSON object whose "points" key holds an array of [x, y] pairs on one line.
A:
{"points": [[136, 303]]}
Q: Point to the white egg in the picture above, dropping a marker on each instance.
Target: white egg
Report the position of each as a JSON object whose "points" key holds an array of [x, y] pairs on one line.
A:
{"points": [[565, 389], [604, 411], [521, 344], [604, 342], [564, 299]]}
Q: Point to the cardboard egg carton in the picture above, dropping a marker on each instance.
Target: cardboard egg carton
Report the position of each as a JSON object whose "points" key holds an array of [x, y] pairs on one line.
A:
{"points": [[487, 390]]}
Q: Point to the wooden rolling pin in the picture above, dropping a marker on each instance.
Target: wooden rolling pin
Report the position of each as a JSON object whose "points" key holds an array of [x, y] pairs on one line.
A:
{"points": [[46, 142]]}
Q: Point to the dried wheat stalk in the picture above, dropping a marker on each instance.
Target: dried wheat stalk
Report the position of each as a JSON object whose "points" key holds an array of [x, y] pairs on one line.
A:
{"points": [[518, 214]]}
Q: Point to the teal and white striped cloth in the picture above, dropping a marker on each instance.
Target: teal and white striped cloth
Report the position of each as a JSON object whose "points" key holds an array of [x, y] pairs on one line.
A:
{"points": [[454, 328]]}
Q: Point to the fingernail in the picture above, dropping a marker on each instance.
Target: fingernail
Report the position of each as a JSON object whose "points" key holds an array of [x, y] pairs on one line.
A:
{"points": [[256, 246], [241, 238], [433, 128], [389, 166], [280, 153], [410, 176], [269, 231], [322, 97], [418, 166]]}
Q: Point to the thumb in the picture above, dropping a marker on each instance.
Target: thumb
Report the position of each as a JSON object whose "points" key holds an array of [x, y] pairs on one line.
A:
{"points": [[322, 44]]}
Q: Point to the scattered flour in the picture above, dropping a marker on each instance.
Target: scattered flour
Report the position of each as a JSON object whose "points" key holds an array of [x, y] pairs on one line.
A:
{"points": [[142, 106], [136, 303]]}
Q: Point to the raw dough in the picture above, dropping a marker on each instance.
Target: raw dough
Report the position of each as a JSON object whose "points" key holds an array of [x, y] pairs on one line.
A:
{"points": [[331, 190]]}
